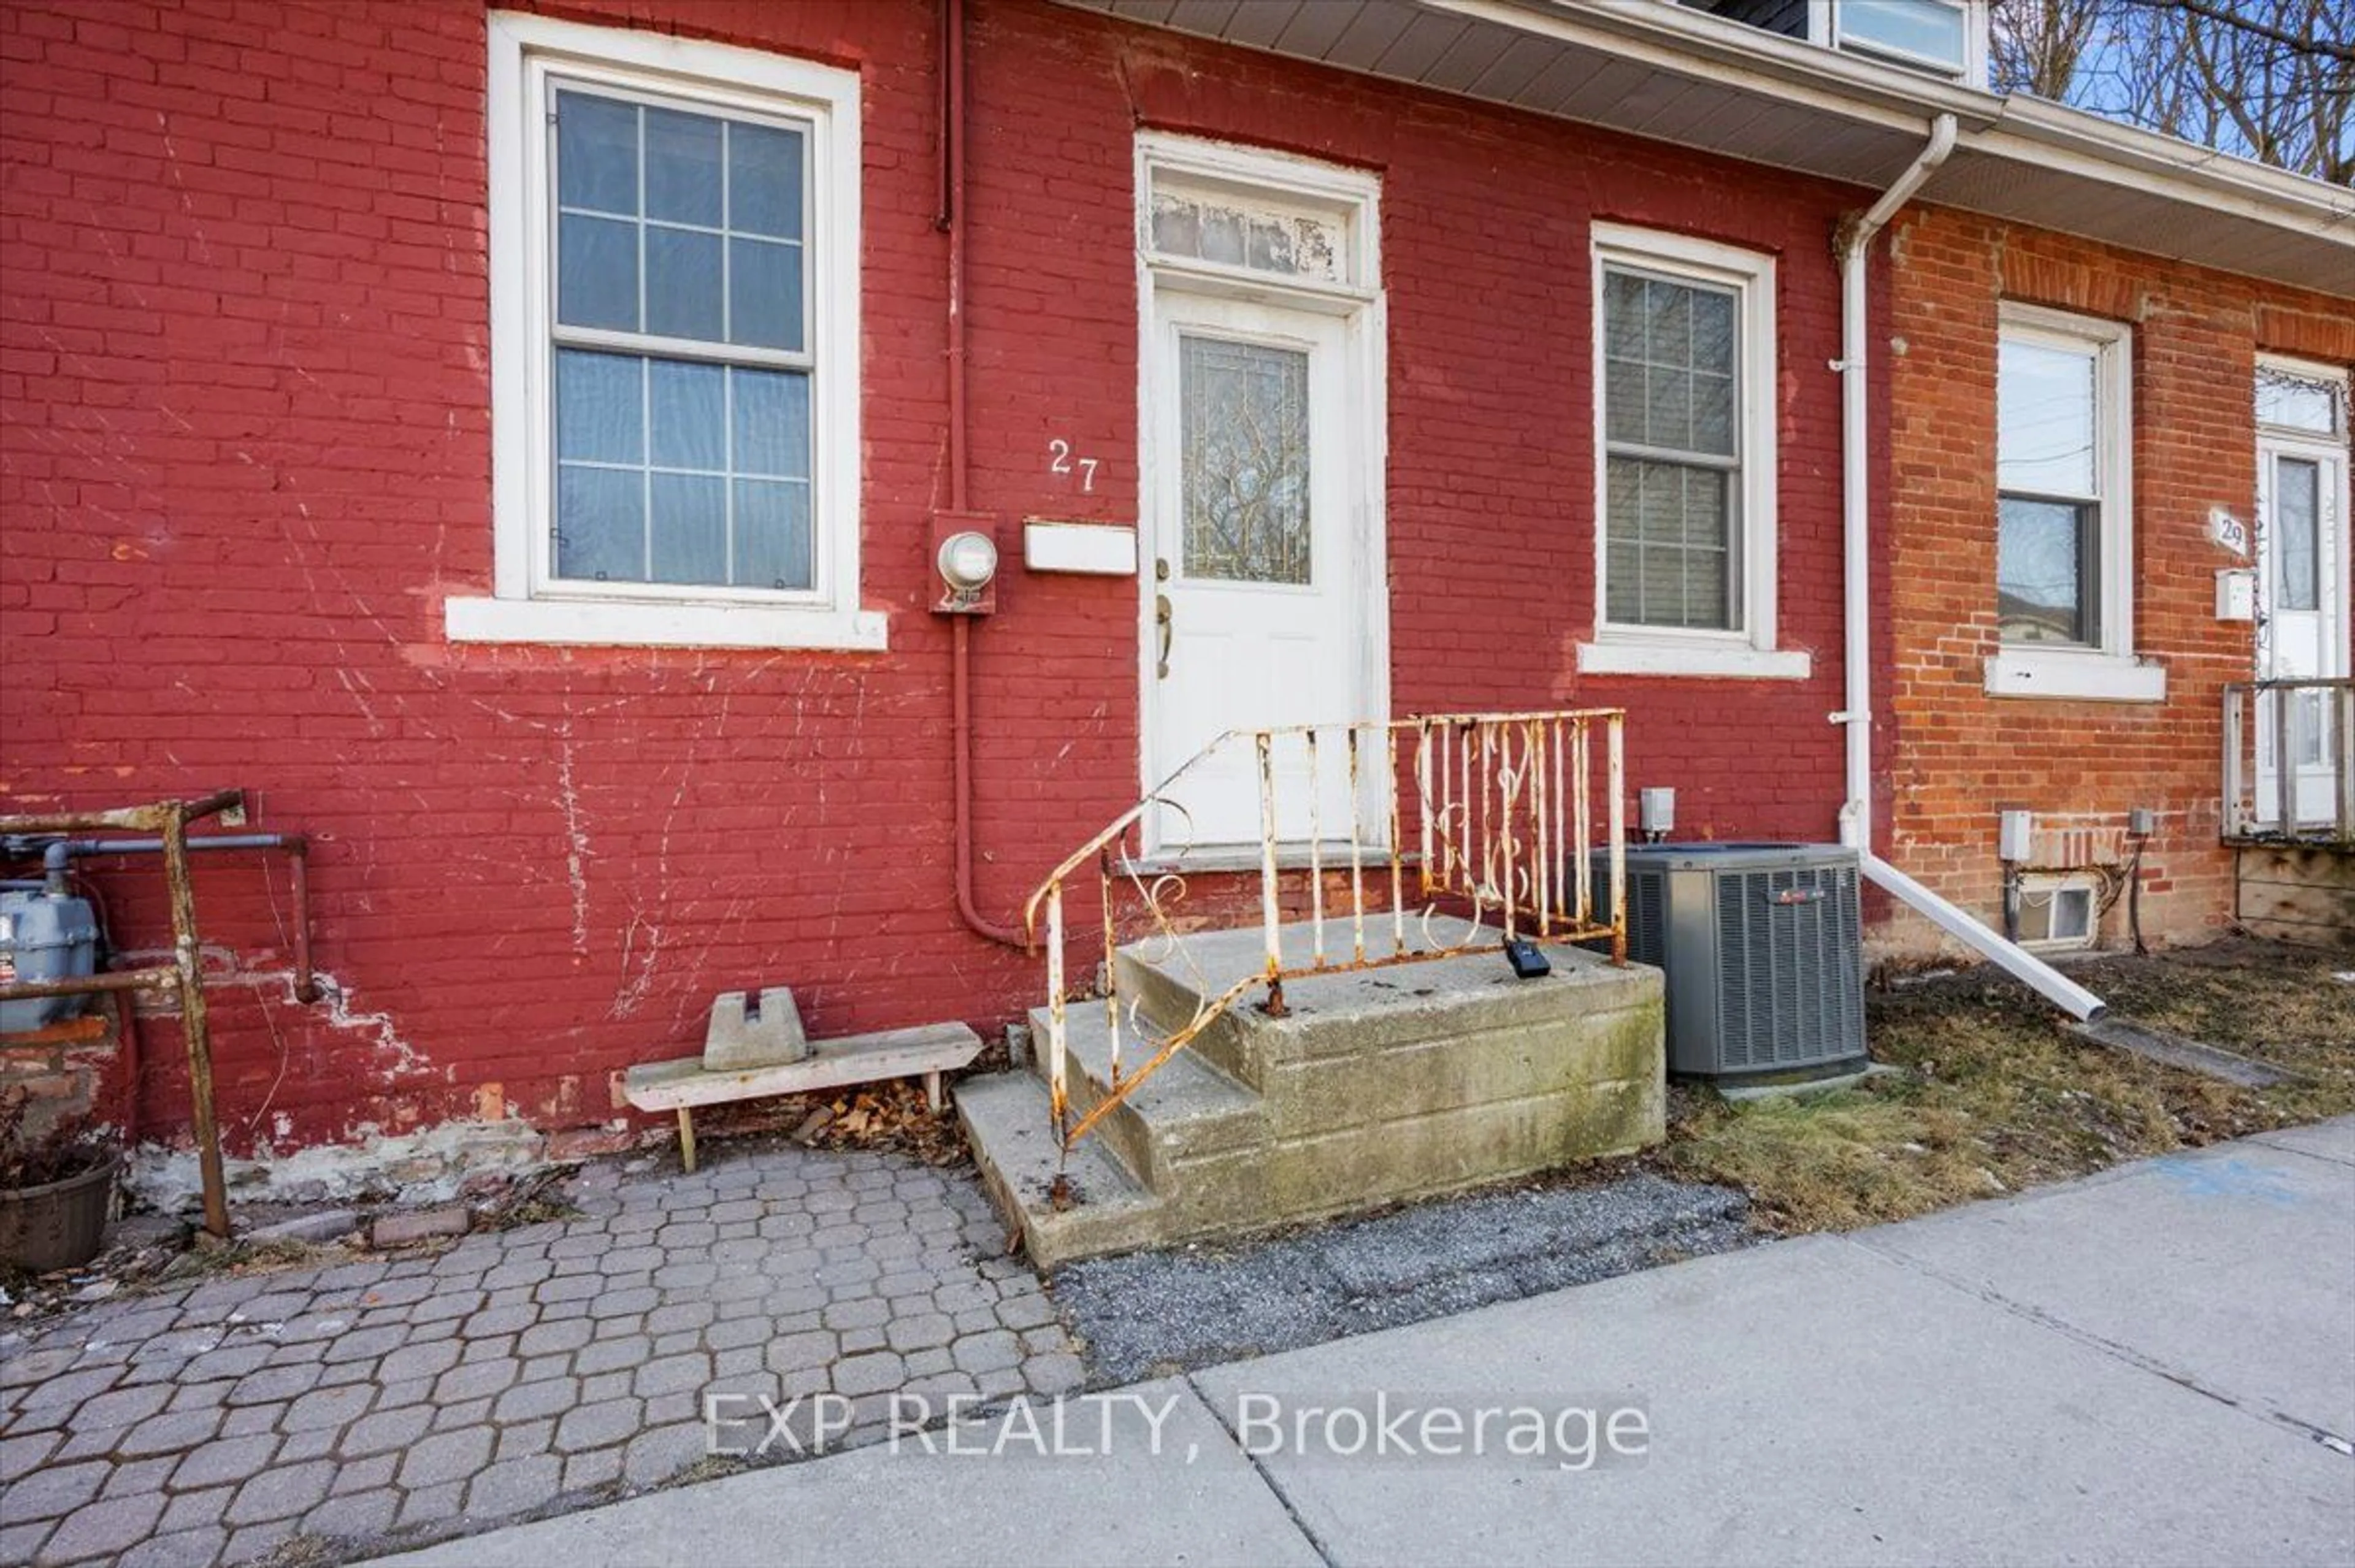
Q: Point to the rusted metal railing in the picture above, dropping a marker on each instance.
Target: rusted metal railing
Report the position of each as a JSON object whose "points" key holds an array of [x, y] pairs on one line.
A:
{"points": [[2267, 726], [185, 975], [1503, 816]]}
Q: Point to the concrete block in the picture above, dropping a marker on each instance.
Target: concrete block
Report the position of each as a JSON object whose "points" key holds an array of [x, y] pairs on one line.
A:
{"points": [[743, 1033], [409, 1227], [1376, 1085]]}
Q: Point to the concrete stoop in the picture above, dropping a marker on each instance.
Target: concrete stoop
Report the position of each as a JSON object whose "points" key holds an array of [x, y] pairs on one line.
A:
{"points": [[1378, 1085]]}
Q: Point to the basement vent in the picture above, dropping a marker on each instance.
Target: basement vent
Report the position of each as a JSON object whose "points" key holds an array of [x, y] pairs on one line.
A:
{"points": [[1762, 945]]}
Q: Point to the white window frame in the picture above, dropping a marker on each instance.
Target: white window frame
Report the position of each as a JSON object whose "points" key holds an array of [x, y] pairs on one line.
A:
{"points": [[2109, 671], [2042, 889], [528, 603], [1825, 26], [1750, 653]]}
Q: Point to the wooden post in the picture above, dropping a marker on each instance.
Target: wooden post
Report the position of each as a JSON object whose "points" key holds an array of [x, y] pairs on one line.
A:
{"points": [[190, 960], [687, 1139]]}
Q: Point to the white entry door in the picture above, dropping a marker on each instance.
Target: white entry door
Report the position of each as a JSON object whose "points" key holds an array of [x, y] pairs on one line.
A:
{"points": [[2302, 569], [1255, 602]]}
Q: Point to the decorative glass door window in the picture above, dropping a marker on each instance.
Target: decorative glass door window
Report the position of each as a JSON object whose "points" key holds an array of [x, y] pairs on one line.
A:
{"points": [[2297, 534], [682, 372], [1672, 422], [1244, 455]]}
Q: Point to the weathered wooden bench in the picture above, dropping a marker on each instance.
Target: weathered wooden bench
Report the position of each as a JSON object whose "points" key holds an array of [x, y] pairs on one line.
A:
{"points": [[928, 1050]]}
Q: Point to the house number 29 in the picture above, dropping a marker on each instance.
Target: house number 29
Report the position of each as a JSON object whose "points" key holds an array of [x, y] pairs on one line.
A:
{"points": [[1061, 460]]}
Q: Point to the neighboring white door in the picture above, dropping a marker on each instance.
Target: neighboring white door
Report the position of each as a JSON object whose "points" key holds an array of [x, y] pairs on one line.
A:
{"points": [[1255, 594], [2302, 543]]}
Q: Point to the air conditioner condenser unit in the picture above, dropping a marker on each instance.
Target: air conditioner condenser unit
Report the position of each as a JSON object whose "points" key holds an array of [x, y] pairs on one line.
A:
{"points": [[1763, 947]]}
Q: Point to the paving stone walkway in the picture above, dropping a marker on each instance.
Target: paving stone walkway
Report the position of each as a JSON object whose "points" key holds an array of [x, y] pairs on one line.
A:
{"points": [[318, 1413]]}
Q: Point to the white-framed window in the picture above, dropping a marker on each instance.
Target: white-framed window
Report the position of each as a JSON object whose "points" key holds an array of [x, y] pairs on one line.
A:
{"points": [[1684, 440], [2065, 510], [2058, 913], [675, 231], [1945, 38]]}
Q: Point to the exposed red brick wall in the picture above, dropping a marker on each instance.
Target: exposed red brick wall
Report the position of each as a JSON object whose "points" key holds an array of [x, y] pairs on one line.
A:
{"points": [[247, 457], [1960, 755]]}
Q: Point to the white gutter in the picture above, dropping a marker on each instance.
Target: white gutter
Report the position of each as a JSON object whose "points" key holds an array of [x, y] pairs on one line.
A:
{"points": [[1856, 536], [1855, 250]]}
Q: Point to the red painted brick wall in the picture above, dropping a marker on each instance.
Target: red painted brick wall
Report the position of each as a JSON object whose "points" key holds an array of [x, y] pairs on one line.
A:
{"points": [[1961, 756], [247, 457]]}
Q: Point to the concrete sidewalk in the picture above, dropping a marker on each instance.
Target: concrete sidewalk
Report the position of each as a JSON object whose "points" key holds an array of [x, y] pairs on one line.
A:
{"points": [[2155, 1365]]}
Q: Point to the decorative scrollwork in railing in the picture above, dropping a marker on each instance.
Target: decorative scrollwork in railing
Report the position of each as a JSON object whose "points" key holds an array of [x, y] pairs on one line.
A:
{"points": [[1504, 822]]}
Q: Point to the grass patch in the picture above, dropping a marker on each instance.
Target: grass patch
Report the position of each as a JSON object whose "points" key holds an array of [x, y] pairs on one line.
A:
{"points": [[1998, 1094]]}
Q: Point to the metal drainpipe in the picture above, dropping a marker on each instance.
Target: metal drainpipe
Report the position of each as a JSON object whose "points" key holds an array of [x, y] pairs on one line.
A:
{"points": [[1855, 815], [1855, 251], [952, 221]]}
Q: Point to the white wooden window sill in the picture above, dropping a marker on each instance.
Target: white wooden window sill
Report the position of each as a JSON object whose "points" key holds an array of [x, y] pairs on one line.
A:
{"points": [[1707, 660], [2076, 674], [609, 623]]}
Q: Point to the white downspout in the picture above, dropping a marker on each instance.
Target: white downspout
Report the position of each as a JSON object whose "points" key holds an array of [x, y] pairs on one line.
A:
{"points": [[1855, 248], [1856, 812]]}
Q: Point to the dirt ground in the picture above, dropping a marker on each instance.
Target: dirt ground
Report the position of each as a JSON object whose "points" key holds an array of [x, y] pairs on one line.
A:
{"points": [[1996, 1095]]}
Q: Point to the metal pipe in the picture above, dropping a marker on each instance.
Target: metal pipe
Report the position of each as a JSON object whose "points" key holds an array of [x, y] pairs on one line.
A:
{"points": [[952, 222], [57, 853], [195, 1025], [960, 678], [1855, 248], [91, 985], [2134, 898], [298, 871]]}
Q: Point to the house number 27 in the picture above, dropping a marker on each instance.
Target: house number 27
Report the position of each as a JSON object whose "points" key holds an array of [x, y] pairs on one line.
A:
{"points": [[1061, 460]]}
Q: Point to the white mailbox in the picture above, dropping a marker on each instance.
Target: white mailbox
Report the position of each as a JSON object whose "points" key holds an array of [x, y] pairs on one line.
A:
{"points": [[2237, 594]]}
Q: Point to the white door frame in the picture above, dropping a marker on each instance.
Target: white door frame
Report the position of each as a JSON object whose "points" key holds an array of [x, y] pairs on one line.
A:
{"points": [[2334, 542], [1351, 198]]}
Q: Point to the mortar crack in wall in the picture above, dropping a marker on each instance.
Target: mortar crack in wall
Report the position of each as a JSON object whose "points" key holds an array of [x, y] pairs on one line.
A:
{"points": [[380, 1027], [576, 837]]}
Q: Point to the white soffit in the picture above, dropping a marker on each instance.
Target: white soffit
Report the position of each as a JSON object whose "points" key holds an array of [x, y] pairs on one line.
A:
{"points": [[1659, 70]]}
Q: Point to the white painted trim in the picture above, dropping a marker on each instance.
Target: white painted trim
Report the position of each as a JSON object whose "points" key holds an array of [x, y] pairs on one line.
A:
{"points": [[1097, 549], [2030, 133], [2078, 674], [2048, 885], [2113, 343], [1351, 194], [2334, 526], [1971, 70], [526, 52], [1750, 275], [2311, 370], [1364, 310], [640, 625], [1731, 662]]}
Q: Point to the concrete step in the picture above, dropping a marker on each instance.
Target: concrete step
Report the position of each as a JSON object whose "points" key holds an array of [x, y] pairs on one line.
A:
{"points": [[1007, 1120], [1381, 1084], [1188, 1111], [1354, 1012]]}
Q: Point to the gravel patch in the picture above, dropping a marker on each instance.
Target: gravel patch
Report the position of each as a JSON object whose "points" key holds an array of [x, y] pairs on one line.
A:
{"points": [[1148, 1314]]}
